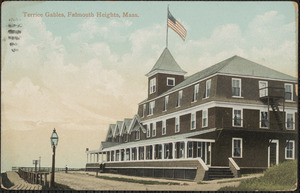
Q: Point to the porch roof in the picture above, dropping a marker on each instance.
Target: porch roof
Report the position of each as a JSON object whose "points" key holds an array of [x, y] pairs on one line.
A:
{"points": [[160, 140]]}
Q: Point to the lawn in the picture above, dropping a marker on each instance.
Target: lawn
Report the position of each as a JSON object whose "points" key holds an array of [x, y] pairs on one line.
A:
{"points": [[280, 177]]}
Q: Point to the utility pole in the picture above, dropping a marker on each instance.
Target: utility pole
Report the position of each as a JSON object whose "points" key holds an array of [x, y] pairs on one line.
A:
{"points": [[40, 163]]}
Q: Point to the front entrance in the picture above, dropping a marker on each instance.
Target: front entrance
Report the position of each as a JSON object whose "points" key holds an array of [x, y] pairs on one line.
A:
{"points": [[273, 152], [204, 151]]}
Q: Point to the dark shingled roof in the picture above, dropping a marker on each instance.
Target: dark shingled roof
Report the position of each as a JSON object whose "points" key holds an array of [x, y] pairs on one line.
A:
{"points": [[236, 66]]}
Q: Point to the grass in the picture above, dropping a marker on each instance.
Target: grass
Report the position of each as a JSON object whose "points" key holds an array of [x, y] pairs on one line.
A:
{"points": [[57, 186], [5, 181], [150, 182], [280, 177]]}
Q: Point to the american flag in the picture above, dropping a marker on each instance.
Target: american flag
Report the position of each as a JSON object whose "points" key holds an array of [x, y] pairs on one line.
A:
{"points": [[176, 26]]}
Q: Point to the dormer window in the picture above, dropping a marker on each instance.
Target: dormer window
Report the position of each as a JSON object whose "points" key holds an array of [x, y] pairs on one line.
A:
{"points": [[170, 81], [152, 85]]}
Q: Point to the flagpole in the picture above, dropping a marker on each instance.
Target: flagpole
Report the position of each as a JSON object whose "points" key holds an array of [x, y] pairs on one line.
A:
{"points": [[167, 28]]}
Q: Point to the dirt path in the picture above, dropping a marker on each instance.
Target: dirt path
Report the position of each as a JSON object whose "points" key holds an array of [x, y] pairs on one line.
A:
{"points": [[88, 181]]}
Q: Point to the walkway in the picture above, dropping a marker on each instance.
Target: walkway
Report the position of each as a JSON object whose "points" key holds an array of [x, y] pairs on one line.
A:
{"points": [[88, 181], [20, 184]]}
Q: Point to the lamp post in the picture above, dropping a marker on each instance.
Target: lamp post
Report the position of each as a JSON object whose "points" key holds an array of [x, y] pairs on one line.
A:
{"points": [[54, 141]]}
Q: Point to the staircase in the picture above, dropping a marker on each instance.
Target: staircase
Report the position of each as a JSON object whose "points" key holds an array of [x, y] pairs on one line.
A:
{"points": [[215, 173], [278, 117]]}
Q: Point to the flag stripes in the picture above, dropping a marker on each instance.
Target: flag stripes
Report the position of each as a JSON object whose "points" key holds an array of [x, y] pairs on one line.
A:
{"points": [[176, 26]]}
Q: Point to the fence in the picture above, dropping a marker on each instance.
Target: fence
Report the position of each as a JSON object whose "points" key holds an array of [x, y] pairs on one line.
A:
{"points": [[34, 177], [45, 169]]}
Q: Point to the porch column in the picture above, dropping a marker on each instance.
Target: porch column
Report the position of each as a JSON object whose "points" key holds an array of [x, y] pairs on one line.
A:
{"points": [[130, 153], [138, 153], [87, 157], [144, 152], [173, 150], [124, 155], [98, 157], [102, 157], [115, 155], [153, 150], [163, 151], [185, 150]]}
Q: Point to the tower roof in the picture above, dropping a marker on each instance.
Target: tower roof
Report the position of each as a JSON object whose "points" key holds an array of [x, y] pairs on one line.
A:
{"points": [[166, 64]]}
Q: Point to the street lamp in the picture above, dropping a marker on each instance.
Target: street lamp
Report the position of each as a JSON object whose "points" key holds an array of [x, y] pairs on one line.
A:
{"points": [[54, 141]]}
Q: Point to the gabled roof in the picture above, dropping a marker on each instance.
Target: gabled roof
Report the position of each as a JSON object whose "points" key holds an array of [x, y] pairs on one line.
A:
{"points": [[166, 64], [236, 66], [136, 124], [111, 130], [118, 128], [107, 144], [125, 126], [177, 137]]}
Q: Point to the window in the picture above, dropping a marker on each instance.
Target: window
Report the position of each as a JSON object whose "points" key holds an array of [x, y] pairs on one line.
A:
{"points": [[181, 151], [264, 122], [154, 130], [190, 147], [166, 151], [289, 149], [151, 107], [117, 155], [137, 135], [152, 85], [288, 92], [163, 127], [170, 81], [199, 149], [263, 88], [237, 117], [193, 121], [144, 110], [179, 98], [127, 154], [148, 131], [141, 153], [148, 152], [177, 128], [196, 92], [290, 121], [159, 151], [133, 155], [204, 118], [237, 147], [236, 87], [166, 103], [207, 88]]}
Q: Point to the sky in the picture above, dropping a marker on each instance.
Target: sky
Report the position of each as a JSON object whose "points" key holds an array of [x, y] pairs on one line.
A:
{"points": [[80, 74]]}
